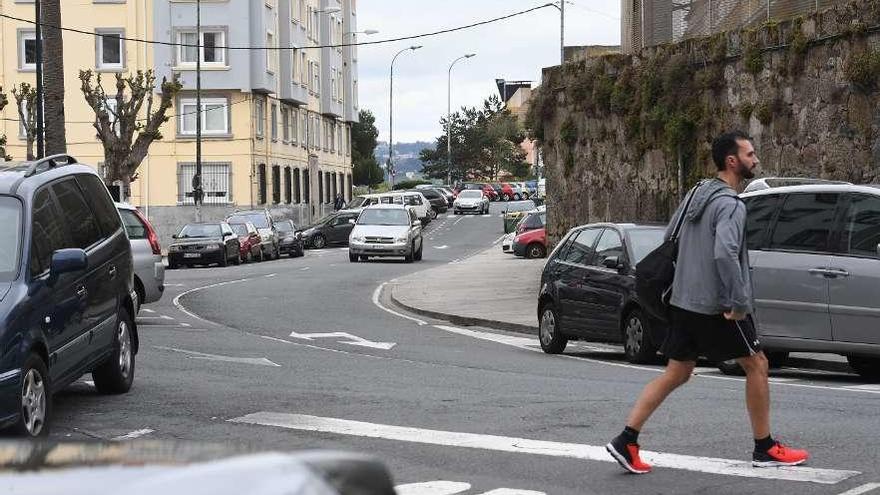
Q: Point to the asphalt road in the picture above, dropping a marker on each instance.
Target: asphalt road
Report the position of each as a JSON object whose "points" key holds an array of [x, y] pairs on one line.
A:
{"points": [[309, 353]]}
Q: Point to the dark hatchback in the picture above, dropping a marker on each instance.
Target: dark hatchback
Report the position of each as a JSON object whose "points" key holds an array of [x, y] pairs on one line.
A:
{"points": [[204, 244], [67, 298], [290, 240], [436, 199], [330, 230], [588, 290]]}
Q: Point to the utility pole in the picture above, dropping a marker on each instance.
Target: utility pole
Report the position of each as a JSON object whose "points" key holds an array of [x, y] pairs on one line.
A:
{"points": [[449, 119], [561, 32], [390, 165], [198, 191], [41, 145]]}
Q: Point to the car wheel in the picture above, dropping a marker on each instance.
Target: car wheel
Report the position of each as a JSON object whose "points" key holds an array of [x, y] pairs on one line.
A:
{"points": [[409, 256], [535, 250], [525, 196], [116, 375], [432, 213], [224, 261], [139, 290], [731, 367], [867, 367], [319, 241], [364, 258], [237, 259], [517, 197], [250, 256], [418, 255], [506, 197], [353, 258], [262, 255], [35, 399], [637, 344], [549, 332], [172, 265], [777, 359]]}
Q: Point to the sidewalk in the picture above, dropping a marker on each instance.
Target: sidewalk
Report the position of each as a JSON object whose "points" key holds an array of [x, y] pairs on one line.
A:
{"points": [[497, 290]]}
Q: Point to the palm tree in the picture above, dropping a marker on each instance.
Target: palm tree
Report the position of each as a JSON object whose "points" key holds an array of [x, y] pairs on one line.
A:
{"points": [[53, 78]]}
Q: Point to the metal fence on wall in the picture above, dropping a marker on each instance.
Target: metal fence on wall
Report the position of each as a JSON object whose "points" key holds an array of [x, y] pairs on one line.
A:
{"points": [[653, 22]]}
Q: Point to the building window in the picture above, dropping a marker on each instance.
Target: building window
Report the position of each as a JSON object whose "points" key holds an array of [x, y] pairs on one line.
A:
{"points": [[297, 195], [327, 187], [334, 192], [27, 50], [303, 130], [110, 107], [216, 180], [276, 184], [110, 49], [333, 137], [215, 116], [302, 68], [320, 187], [350, 192], [294, 68], [273, 122], [334, 91], [261, 183], [211, 51], [348, 140], [316, 78], [260, 115], [294, 120], [271, 55], [285, 124], [307, 192], [288, 186]]}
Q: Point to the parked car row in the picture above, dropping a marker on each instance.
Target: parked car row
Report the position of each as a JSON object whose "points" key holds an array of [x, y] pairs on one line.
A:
{"points": [[815, 258], [529, 238], [502, 191]]}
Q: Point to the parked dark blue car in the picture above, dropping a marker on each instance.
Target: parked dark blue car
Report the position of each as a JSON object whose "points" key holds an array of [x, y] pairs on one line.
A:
{"points": [[588, 290], [67, 299]]}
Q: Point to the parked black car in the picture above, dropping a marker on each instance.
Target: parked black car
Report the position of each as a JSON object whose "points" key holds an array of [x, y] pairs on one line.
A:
{"points": [[67, 296], [436, 198], [204, 244], [330, 230], [291, 240], [588, 290]]}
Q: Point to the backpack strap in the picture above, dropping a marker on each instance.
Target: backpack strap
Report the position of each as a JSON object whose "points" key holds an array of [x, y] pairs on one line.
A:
{"points": [[687, 205]]}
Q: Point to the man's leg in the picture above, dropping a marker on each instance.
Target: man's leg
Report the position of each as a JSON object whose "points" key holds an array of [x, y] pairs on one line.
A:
{"points": [[677, 373], [757, 393], [625, 448]]}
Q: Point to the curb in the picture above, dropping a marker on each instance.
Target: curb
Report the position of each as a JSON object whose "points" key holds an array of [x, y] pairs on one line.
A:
{"points": [[465, 320]]}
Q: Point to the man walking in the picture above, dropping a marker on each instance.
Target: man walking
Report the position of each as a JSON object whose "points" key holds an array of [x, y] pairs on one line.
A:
{"points": [[339, 202], [711, 303]]}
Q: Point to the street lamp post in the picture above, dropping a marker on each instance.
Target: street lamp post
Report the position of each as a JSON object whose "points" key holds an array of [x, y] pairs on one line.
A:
{"points": [[41, 146], [197, 178], [561, 8], [390, 165], [449, 118]]}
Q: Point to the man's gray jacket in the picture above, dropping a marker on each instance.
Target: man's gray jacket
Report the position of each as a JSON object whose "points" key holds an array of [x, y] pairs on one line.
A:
{"points": [[712, 272]]}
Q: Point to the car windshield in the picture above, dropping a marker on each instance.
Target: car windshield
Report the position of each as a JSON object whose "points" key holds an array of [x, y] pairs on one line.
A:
{"points": [[199, 230], [258, 219], [384, 216], [285, 227], [239, 229], [357, 202], [429, 193], [643, 241], [470, 194], [10, 245]]}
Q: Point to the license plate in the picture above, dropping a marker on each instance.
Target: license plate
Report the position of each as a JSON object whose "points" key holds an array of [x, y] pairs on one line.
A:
{"points": [[192, 255]]}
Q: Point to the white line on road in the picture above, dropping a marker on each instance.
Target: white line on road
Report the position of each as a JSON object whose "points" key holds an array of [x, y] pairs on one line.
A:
{"points": [[134, 434], [176, 300], [493, 337], [438, 487], [441, 247], [352, 339], [728, 467], [271, 275], [304, 268], [376, 294], [859, 490], [216, 357], [512, 491], [160, 317], [145, 310]]}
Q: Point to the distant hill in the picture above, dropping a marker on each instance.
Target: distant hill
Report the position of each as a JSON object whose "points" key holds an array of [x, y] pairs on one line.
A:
{"points": [[406, 155]]}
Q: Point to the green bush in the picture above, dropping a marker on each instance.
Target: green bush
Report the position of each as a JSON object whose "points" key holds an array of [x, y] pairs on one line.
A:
{"points": [[410, 184], [862, 69]]}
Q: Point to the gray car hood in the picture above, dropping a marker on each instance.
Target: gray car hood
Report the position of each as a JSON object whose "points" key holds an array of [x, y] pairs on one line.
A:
{"points": [[380, 230]]}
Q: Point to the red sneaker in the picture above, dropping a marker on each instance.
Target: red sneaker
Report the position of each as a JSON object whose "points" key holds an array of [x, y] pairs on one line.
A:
{"points": [[779, 455], [627, 455]]}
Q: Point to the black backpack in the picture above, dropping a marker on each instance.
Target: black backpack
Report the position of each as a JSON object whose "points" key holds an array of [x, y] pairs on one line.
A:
{"points": [[656, 271]]}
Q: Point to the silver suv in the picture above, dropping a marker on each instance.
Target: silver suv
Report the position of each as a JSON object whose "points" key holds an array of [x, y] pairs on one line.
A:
{"points": [[815, 257]]}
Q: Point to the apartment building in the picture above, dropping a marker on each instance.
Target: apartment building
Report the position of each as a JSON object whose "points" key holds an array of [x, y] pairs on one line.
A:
{"points": [[276, 122]]}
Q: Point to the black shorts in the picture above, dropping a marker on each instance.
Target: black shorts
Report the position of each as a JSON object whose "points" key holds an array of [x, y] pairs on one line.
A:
{"points": [[692, 335]]}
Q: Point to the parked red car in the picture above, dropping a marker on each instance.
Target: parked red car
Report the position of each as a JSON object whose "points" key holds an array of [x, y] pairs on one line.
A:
{"points": [[249, 241], [508, 193], [531, 244], [487, 189]]}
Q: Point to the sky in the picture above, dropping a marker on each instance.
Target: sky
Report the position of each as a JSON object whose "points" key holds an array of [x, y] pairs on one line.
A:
{"points": [[514, 49]]}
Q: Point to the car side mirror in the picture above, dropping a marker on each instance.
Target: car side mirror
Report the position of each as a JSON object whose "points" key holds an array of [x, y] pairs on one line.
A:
{"points": [[612, 262], [417, 223], [67, 261], [174, 236]]}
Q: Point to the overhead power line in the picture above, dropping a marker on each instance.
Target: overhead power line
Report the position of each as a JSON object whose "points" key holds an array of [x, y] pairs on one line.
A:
{"points": [[260, 48]]}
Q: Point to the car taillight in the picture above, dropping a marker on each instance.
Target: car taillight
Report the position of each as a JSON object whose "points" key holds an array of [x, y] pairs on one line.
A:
{"points": [[151, 233]]}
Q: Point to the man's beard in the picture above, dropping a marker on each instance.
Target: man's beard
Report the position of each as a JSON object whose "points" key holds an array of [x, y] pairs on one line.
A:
{"points": [[744, 171]]}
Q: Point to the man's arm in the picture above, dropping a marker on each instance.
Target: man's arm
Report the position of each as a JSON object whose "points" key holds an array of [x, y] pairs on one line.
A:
{"points": [[730, 218]]}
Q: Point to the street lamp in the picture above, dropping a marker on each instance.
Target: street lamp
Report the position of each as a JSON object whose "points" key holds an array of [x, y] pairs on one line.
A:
{"points": [[561, 8], [390, 165], [449, 118]]}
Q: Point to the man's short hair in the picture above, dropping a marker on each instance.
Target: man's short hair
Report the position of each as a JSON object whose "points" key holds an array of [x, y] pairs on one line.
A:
{"points": [[725, 145]]}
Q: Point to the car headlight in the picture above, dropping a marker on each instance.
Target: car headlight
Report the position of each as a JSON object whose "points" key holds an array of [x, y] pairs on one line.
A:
{"points": [[289, 238], [174, 247], [358, 238], [401, 239], [516, 239]]}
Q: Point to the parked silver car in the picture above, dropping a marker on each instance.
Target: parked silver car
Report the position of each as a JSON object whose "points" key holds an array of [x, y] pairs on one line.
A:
{"points": [[815, 256], [386, 230], [149, 271]]}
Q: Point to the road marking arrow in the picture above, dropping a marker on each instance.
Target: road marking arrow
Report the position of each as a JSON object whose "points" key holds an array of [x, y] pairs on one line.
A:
{"points": [[215, 357], [441, 247], [352, 339]]}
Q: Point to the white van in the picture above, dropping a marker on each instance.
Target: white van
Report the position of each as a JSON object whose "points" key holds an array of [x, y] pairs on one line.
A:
{"points": [[413, 199]]}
